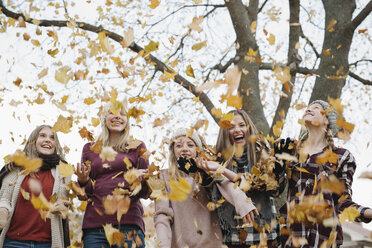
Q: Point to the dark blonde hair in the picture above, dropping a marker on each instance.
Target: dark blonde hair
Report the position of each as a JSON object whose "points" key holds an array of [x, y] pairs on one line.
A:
{"points": [[223, 140], [30, 147], [104, 136]]}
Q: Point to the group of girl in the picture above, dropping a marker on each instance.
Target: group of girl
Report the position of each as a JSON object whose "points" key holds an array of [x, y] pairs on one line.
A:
{"points": [[224, 207]]}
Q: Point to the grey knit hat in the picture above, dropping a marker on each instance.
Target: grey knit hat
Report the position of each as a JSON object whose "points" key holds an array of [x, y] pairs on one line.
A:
{"points": [[331, 116], [194, 137]]}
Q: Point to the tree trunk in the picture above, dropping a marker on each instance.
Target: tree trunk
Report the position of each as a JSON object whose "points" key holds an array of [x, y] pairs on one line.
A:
{"points": [[334, 63]]}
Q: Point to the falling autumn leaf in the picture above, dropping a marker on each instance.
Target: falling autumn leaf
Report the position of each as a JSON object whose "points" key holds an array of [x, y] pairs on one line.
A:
{"points": [[190, 71], [89, 100], [43, 73], [154, 3], [327, 157], [179, 190], [107, 153], [63, 75], [152, 46], [128, 37], [195, 25], [350, 214], [198, 46], [29, 165], [113, 235], [66, 170], [62, 124], [105, 43], [332, 184]]}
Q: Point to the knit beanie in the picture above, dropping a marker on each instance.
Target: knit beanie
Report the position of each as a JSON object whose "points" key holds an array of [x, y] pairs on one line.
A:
{"points": [[194, 137], [331, 116]]}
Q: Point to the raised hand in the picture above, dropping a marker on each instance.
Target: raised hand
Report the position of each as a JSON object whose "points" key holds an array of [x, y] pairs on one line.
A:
{"points": [[82, 173]]}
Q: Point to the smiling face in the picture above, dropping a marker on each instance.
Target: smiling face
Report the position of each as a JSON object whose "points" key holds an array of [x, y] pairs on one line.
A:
{"points": [[314, 115], [184, 147], [238, 131], [45, 142], [116, 123]]}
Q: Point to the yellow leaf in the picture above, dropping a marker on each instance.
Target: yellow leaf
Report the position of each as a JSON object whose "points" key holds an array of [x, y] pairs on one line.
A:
{"points": [[170, 75], [66, 170], [62, 124], [198, 46], [95, 121], [271, 39], [232, 79], [350, 213], [128, 37], [30, 165], [116, 203], [43, 73], [302, 169], [327, 156], [35, 42], [113, 235], [179, 190], [253, 27], [105, 43], [25, 194], [327, 52], [195, 25], [331, 24], [41, 203], [53, 52], [366, 174], [133, 144], [154, 3], [235, 101], [63, 75], [107, 153], [332, 184], [190, 71], [152, 46], [83, 206], [217, 112], [64, 99], [89, 100], [345, 125]]}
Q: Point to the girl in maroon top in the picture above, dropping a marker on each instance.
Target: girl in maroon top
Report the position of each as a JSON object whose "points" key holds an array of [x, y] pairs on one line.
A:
{"points": [[309, 172], [22, 224], [104, 178]]}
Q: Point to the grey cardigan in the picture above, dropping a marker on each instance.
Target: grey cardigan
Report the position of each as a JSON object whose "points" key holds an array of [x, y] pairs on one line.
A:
{"points": [[9, 195]]}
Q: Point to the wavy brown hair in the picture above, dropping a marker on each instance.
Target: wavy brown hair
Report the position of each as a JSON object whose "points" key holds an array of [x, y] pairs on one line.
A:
{"points": [[223, 140]]}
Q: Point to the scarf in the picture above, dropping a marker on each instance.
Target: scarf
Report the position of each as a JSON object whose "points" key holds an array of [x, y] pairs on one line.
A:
{"points": [[49, 162]]}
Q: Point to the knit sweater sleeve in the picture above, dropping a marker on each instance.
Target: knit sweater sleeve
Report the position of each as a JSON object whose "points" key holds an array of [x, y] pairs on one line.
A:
{"points": [[236, 197], [163, 218], [345, 173], [84, 158], [7, 189]]}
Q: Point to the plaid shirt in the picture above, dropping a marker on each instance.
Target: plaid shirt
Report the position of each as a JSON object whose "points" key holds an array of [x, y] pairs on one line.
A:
{"points": [[235, 235], [300, 182]]}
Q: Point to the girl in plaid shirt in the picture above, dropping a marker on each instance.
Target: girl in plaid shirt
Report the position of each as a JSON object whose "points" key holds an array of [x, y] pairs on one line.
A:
{"points": [[320, 162]]}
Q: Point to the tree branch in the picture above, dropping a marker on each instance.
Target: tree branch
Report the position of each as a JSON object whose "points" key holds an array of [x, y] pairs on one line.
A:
{"points": [[310, 43], [159, 65], [362, 80], [361, 16]]}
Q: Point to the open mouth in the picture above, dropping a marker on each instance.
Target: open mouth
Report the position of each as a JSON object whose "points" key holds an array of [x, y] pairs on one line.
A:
{"points": [[116, 123], [47, 146], [238, 138]]}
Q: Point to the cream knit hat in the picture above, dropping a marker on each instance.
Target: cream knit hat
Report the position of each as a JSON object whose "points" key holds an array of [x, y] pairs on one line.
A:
{"points": [[194, 137], [331, 116]]}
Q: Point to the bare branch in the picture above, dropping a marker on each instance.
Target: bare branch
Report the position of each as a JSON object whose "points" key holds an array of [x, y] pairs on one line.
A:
{"points": [[159, 65], [360, 61], [362, 80], [310, 43], [361, 16], [262, 6]]}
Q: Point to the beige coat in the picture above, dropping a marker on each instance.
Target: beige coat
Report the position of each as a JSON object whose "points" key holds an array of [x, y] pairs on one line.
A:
{"points": [[189, 223], [8, 199]]}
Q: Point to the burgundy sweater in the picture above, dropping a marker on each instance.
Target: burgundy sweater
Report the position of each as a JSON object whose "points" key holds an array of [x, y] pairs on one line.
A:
{"points": [[102, 183]]}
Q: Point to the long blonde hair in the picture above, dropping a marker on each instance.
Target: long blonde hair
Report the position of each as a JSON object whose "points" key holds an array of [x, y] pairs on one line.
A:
{"points": [[30, 147], [174, 172], [224, 143], [104, 136]]}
